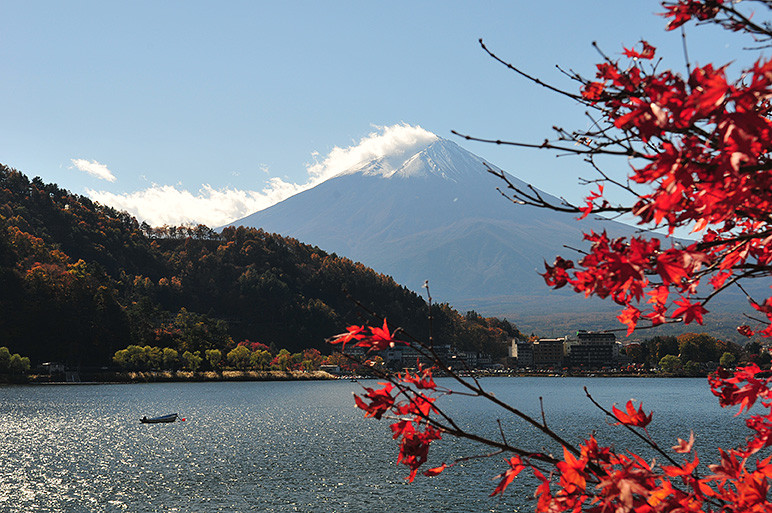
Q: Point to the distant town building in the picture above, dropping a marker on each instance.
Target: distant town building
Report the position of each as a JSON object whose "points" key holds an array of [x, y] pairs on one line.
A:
{"points": [[484, 361], [549, 352], [592, 350], [522, 352]]}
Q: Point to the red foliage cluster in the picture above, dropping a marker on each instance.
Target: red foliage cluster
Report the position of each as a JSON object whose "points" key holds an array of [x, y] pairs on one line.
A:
{"points": [[700, 145], [412, 409]]}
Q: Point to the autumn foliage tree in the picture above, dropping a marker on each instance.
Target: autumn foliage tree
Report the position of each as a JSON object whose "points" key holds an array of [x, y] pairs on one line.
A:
{"points": [[698, 144]]}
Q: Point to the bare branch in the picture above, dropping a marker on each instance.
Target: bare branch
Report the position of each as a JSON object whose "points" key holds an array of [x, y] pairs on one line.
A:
{"points": [[529, 77]]}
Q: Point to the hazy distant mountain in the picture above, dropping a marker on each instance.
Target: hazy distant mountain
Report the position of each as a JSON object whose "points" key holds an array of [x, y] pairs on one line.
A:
{"points": [[434, 214]]}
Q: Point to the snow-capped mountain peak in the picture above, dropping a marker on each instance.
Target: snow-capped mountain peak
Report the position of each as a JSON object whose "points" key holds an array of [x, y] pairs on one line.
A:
{"points": [[441, 158]]}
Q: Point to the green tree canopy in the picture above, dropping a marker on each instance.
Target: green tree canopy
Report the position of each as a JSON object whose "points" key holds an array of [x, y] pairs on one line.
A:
{"points": [[727, 360], [670, 364]]}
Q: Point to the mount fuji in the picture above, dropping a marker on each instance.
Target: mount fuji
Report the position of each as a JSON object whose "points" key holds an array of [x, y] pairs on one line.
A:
{"points": [[431, 211]]}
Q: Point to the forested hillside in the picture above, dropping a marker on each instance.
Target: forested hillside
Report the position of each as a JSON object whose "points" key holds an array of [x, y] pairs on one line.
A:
{"points": [[79, 281]]}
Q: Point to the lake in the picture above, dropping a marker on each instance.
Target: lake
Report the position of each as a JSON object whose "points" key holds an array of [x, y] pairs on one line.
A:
{"points": [[298, 446]]}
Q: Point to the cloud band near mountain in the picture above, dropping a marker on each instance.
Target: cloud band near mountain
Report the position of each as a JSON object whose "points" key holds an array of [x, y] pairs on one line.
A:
{"points": [[170, 205]]}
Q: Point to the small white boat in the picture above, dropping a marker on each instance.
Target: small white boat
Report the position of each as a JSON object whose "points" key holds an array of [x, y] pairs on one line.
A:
{"points": [[159, 420]]}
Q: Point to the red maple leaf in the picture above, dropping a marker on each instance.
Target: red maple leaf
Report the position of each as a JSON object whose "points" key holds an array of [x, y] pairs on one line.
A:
{"points": [[352, 333], [381, 401], [587, 210], [515, 467], [647, 52], [658, 296], [630, 316], [690, 311], [684, 446], [556, 275], [670, 267], [572, 477], [633, 417], [436, 470], [379, 338], [683, 470]]}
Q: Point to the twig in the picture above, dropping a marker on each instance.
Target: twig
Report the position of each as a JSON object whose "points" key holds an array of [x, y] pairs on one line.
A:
{"points": [[686, 52], [529, 77], [546, 145]]}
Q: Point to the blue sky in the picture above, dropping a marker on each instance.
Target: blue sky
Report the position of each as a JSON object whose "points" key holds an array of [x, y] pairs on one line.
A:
{"points": [[168, 108]]}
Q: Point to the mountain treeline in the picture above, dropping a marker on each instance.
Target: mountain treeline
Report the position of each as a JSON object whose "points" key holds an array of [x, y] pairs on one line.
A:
{"points": [[79, 281]]}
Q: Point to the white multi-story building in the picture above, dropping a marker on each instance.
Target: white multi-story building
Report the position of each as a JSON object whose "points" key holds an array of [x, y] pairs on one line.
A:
{"points": [[522, 352]]}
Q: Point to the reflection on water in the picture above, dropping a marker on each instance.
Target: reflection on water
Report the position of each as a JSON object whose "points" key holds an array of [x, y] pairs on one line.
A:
{"points": [[292, 446]]}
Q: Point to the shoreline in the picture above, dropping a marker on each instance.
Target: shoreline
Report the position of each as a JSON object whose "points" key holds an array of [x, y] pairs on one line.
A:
{"points": [[123, 377], [128, 377]]}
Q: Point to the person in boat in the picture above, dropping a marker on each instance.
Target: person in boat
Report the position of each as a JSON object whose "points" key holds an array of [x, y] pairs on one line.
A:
{"points": [[144, 418]]}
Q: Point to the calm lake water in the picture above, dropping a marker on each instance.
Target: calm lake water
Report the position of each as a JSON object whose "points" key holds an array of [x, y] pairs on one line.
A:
{"points": [[296, 446]]}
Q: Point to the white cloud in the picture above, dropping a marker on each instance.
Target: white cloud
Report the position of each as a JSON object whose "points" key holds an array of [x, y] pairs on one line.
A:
{"points": [[172, 205], [93, 168], [393, 141]]}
